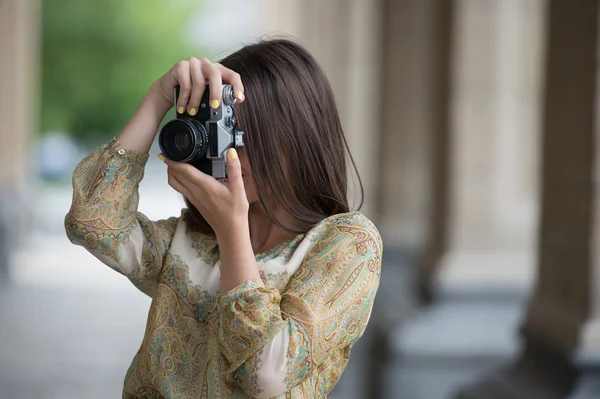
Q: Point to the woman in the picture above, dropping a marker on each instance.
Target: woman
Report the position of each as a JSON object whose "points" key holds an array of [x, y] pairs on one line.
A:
{"points": [[263, 284]]}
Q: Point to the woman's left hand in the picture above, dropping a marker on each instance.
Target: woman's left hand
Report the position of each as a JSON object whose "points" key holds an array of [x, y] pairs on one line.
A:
{"points": [[223, 205]]}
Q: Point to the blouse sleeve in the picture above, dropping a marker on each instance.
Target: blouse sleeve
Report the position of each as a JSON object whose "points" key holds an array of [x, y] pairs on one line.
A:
{"points": [[104, 220], [274, 342]]}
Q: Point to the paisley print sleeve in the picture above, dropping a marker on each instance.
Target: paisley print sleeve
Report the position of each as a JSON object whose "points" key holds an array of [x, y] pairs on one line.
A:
{"points": [[274, 342], [103, 217]]}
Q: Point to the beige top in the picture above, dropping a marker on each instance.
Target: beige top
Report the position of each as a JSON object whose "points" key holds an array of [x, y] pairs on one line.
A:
{"points": [[286, 335]]}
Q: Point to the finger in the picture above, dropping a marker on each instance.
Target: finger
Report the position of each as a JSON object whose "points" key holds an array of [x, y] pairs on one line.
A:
{"points": [[190, 177], [213, 75], [207, 189], [234, 79], [172, 166], [178, 185], [162, 157], [198, 85], [187, 174], [183, 179], [194, 177], [234, 172], [181, 73]]}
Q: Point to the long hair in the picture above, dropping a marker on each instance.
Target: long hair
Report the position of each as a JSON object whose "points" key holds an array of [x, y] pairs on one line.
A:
{"points": [[293, 136]]}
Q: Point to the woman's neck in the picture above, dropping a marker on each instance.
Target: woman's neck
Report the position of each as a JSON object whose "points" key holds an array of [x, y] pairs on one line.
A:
{"points": [[264, 234]]}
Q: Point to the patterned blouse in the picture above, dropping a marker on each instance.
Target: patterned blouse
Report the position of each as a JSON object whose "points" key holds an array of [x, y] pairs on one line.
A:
{"points": [[285, 335]]}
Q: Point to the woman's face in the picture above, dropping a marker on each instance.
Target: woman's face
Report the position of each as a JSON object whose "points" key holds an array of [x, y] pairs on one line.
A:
{"points": [[249, 185]]}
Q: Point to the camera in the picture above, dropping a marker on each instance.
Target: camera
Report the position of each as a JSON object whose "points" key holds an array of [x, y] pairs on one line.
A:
{"points": [[202, 140]]}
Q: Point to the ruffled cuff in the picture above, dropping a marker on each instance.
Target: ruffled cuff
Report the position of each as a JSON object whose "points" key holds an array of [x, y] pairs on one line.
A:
{"points": [[250, 317], [108, 178], [125, 155], [238, 292]]}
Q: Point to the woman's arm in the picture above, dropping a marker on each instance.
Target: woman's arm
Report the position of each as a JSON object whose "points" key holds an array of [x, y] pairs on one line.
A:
{"points": [[274, 342], [103, 217], [141, 129], [191, 76]]}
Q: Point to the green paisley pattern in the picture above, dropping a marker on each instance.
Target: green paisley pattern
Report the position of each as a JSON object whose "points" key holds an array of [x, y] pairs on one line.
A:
{"points": [[287, 335]]}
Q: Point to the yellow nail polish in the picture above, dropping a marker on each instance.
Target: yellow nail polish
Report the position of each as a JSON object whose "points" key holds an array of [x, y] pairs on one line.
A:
{"points": [[240, 96], [181, 110], [232, 153], [161, 157], [214, 104], [192, 112]]}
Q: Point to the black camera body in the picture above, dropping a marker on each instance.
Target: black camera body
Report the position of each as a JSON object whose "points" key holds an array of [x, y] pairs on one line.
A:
{"points": [[202, 140]]}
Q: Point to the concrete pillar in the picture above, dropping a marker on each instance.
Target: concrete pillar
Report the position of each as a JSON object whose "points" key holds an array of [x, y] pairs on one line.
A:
{"points": [[19, 24], [19, 82], [568, 284], [495, 118], [414, 160], [415, 121], [561, 324]]}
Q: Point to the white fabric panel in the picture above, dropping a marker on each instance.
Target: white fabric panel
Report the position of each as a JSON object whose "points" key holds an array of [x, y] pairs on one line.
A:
{"points": [[271, 374]]}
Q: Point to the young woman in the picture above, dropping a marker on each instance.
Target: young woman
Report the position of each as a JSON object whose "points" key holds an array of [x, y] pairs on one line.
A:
{"points": [[264, 283]]}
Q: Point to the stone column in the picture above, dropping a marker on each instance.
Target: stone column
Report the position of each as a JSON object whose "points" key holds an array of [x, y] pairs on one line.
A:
{"points": [[19, 23], [414, 118], [414, 153], [561, 324], [413, 163], [495, 116]]}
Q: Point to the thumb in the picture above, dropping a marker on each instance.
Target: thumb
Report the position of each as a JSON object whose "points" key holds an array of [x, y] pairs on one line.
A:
{"points": [[234, 172]]}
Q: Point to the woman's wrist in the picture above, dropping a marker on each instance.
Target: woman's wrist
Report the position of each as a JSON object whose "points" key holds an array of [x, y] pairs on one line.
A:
{"points": [[233, 233], [238, 263], [162, 101], [141, 129]]}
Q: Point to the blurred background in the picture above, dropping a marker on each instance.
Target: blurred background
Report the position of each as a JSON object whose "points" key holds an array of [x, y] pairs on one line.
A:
{"points": [[473, 124]]}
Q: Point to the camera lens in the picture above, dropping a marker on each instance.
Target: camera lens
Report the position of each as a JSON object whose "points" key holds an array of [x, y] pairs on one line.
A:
{"points": [[183, 140]]}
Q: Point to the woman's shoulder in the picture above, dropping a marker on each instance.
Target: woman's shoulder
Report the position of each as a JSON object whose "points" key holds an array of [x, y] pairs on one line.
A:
{"points": [[354, 218], [351, 223]]}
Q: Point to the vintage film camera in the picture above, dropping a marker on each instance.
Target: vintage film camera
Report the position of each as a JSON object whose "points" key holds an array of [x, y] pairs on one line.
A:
{"points": [[202, 140]]}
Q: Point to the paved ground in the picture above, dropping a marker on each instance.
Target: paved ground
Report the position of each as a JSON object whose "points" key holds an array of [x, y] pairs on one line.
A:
{"points": [[62, 343]]}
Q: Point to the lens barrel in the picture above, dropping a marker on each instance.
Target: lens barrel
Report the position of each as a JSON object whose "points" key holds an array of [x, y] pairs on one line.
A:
{"points": [[183, 140]]}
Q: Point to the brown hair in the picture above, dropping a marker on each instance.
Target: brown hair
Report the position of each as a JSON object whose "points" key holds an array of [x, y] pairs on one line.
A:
{"points": [[292, 134]]}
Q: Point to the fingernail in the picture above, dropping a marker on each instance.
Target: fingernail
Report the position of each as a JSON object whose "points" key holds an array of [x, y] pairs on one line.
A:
{"points": [[232, 153], [181, 110], [214, 104], [192, 112], [161, 157], [240, 96]]}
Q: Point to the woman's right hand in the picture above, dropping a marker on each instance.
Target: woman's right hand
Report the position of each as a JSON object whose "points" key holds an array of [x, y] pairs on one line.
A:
{"points": [[192, 76]]}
